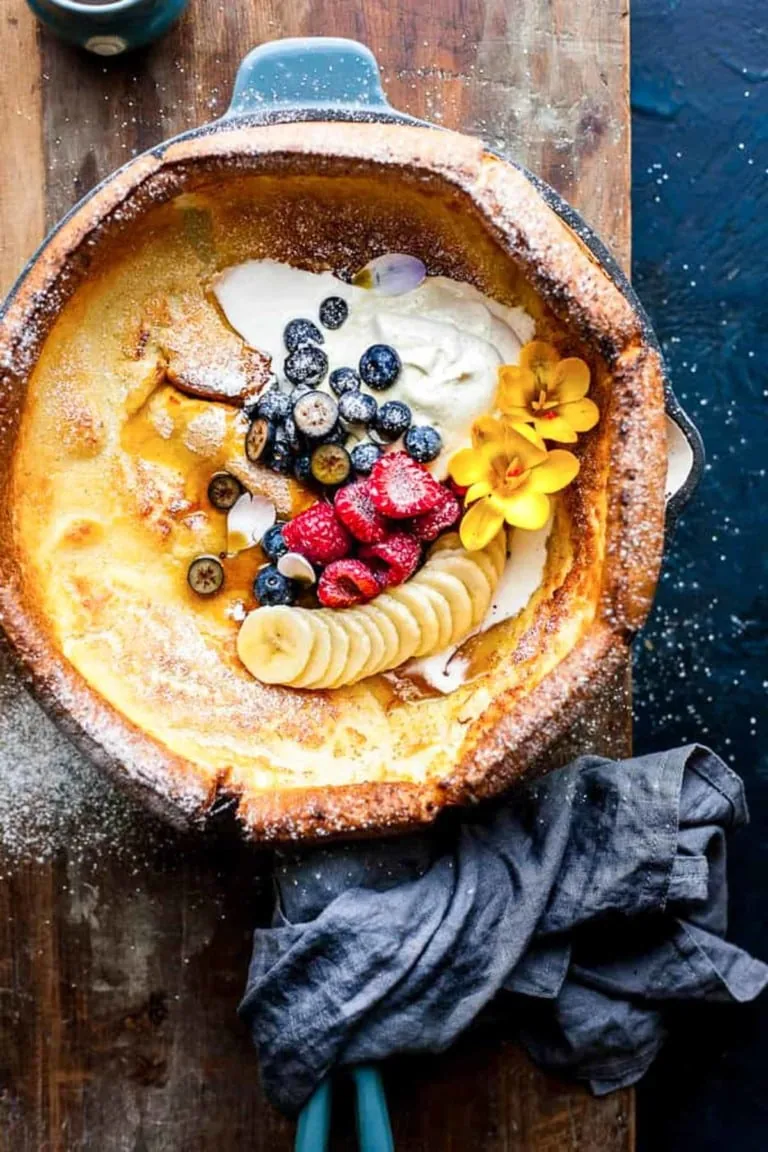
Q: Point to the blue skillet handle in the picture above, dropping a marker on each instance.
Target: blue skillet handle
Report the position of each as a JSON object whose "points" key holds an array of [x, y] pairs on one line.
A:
{"points": [[314, 72], [374, 1133], [315, 1121]]}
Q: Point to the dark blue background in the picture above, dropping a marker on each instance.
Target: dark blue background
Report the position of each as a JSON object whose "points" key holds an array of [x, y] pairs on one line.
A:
{"points": [[700, 203]]}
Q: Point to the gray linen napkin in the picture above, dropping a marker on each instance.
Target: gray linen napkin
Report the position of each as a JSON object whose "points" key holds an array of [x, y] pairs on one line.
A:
{"points": [[593, 896]]}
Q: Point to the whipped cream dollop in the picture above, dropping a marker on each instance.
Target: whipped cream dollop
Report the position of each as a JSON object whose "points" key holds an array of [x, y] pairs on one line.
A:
{"points": [[450, 337]]}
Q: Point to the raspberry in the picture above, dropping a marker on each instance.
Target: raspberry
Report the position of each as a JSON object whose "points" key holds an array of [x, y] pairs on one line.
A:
{"points": [[394, 559], [444, 515], [401, 488], [346, 582], [458, 490], [355, 508], [318, 535]]}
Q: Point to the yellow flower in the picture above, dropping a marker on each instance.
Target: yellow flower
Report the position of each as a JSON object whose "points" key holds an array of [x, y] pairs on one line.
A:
{"points": [[548, 392], [508, 475]]}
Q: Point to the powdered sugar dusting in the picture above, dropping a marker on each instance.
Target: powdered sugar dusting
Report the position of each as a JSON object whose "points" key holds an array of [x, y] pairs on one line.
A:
{"points": [[52, 796], [162, 422], [205, 433]]}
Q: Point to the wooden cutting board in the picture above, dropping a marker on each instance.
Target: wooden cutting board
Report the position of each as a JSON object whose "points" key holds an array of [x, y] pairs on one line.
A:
{"points": [[123, 946]]}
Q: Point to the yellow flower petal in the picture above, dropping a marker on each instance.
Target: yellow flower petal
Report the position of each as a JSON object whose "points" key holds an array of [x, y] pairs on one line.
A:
{"points": [[479, 525], [526, 509], [539, 358], [519, 415], [581, 414], [523, 441], [557, 471], [517, 387], [571, 379], [476, 491], [555, 428], [467, 466], [527, 432], [485, 429]]}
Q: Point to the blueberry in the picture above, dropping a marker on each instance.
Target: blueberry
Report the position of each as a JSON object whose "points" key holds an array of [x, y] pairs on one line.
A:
{"points": [[423, 443], [331, 464], [302, 468], [224, 490], [333, 312], [273, 405], [344, 380], [364, 456], [259, 440], [393, 419], [273, 544], [298, 390], [288, 432], [280, 458], [205, 575], [379, 366], [337, 435], [251, 406], [357, 408], [306, 365], [271, 587], [299, 332], [316, 414]]}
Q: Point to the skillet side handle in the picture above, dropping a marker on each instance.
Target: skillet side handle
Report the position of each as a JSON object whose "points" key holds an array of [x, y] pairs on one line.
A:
{"points": [[314, 72], [685, 459]]}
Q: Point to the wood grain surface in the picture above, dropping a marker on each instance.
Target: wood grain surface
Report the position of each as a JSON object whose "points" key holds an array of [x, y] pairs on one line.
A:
{"points": [[123, 946]]}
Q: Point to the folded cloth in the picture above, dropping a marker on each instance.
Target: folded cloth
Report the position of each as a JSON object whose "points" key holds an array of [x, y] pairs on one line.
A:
{"points": [[594, 896]]}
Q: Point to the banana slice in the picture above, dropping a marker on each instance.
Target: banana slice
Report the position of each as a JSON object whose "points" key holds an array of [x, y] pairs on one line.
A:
{"points": [[319, 657], [450, 542], [417, 601], [368, 624], [275, 644], [444, 618], [455, 593], [497, 550], [339, 647], [468, 573], [481, 559], [389, 634], [487, 567], [408, 630], [359, 649]]}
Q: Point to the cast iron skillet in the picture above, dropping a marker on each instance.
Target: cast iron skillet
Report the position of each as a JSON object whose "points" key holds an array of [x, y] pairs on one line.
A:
{"points": [[333, 79]]}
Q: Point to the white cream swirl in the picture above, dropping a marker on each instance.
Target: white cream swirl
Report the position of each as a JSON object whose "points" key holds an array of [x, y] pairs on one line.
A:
{"points": [[451, 338]]}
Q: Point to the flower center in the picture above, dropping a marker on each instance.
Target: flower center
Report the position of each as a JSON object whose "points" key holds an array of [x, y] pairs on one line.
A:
{"points": [[543, 405], [498, 470], [514, 475]]}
